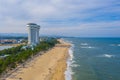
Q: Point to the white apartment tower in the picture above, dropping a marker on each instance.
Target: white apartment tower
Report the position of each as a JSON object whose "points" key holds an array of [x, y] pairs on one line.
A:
{"points": [[33, 33]]}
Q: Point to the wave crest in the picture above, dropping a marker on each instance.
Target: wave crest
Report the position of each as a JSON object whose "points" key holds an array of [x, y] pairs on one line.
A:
{"points": [[115, 45], [87, 47], [84, 44], [107, 55]]}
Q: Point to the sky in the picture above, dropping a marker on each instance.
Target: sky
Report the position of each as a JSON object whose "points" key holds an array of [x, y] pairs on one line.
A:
{"points": [[77, 18]]}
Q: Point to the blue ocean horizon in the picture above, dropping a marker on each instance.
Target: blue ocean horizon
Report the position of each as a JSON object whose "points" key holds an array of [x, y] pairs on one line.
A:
{"points": [[95, 58]]}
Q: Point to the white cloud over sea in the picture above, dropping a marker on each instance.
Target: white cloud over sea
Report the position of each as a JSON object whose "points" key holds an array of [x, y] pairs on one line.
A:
{"points": [[62, 17]]}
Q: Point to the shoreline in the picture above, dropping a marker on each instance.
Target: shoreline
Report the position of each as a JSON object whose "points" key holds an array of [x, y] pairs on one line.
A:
{"points": [[51, 65], [69, 72]]}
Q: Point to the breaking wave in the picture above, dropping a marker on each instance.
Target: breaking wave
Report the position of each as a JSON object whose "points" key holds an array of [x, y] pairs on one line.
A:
{"points": [[87, 47], [68, 72], [107, 55], [84, 44], [115, 45]]}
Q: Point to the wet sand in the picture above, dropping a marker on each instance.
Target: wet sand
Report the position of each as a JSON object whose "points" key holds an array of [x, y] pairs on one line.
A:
{"points": [[49, 66]]}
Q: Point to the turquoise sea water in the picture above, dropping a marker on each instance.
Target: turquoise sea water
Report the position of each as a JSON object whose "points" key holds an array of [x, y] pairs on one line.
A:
{"points": [[95, 58]]}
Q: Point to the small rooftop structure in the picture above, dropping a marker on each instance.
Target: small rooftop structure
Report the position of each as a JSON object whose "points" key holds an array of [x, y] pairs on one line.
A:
{"points": [[31, 24]]}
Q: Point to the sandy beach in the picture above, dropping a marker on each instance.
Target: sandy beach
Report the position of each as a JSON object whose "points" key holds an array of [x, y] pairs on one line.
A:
{"points": [[49, 66]]}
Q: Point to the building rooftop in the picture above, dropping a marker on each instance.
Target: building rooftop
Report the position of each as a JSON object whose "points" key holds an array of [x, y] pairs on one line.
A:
{"points": [[31, 24]]}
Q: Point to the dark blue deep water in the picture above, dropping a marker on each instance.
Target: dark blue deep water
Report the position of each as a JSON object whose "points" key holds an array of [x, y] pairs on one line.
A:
{"points": [[95, 58]]}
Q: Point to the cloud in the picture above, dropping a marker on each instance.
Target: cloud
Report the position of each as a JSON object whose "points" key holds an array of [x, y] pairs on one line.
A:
{"points": [[61, 16], [93, 28]]}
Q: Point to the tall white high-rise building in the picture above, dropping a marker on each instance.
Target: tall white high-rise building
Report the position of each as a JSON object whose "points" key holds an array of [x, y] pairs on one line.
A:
{"points": [[33, 33]]}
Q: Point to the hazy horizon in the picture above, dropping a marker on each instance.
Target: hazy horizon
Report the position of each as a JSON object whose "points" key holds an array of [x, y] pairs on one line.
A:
{"points": [[26, 35], [79, 18]]}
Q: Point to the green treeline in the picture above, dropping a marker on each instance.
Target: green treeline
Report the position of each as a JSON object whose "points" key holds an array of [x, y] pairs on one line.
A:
{"points": [[17, 55]]}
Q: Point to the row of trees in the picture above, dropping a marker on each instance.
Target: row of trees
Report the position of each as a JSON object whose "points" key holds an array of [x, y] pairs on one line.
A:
{"points": [[17, 55]]}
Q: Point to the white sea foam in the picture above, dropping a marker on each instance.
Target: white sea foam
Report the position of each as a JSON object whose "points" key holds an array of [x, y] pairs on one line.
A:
{"points": [[87, 47], [68, 72], [118, 44], [115, 45], [67, 41], [73, 62], [84, 44], [107, 55], [75, 65]]}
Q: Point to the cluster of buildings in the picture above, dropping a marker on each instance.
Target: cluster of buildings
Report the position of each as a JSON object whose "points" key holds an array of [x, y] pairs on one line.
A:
{"points": [[33, 36], [11, 41], [8, 41]]}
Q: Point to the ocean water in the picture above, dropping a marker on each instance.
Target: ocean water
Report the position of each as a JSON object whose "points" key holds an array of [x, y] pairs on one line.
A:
{"points": [[94, 59]]}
